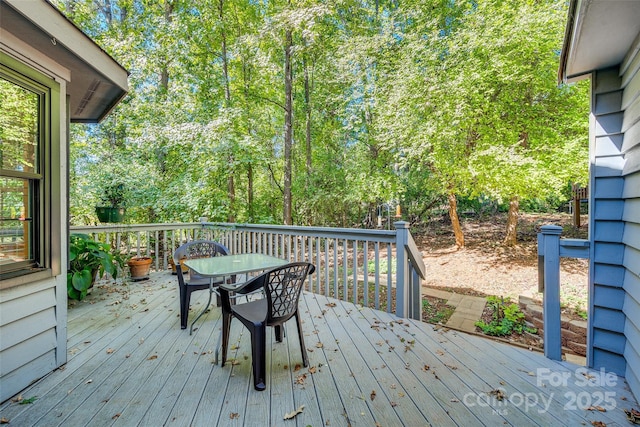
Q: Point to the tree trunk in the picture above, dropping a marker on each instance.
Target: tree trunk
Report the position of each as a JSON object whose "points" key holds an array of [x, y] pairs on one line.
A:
{"points": [[231, 187], [510, 238], [455, 221], [307, 101], [250, 192], [288, 128]]}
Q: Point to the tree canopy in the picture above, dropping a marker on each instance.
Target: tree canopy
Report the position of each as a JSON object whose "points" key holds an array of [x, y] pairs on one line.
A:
{"points": [[315, 112]]}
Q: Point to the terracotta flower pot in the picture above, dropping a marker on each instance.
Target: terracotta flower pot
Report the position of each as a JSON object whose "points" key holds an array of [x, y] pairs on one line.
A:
{"points": [[139, 267]]}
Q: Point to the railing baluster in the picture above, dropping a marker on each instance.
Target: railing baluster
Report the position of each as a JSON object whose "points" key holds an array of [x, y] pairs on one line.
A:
{"points": [[333, 250]]}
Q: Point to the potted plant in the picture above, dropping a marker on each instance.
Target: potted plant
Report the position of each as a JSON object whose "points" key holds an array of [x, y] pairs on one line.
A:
{"points": [[88, 258], [139, 267], [113, 200]]}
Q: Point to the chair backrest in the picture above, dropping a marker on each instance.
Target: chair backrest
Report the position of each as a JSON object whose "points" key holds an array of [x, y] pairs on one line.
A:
{"points": [[197, 249], [282, 288]]}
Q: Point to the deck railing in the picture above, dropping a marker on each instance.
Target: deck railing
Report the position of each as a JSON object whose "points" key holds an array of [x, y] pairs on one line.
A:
{"points": [[376, 268], [550, 249]]}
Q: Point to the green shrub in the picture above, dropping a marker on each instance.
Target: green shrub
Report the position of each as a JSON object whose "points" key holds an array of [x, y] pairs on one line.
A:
{"points": [[86, 259], [507, 318]]}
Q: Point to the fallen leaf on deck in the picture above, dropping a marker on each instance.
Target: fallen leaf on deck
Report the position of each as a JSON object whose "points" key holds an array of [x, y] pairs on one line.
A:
{"points": [[598, 424], [499, 394], [440, 352], [331, 304], [596, 408], [373, 394], [234, 415], [116, 416], [312, 370], [633, 415], [426, 368], [452, 367], [454, 400], [3, 420], [291, 415], [319, 345], [394, 404], [110, 350], [301, 378], [234, 362], [155, 356], [28, 401]]}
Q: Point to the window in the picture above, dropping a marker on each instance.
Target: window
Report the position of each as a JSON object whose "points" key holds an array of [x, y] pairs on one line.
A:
{"points": [[26, 237]]}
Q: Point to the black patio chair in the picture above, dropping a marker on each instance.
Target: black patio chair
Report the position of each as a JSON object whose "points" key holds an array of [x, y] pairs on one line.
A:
{"points": [[196, 282], [282, 287]]}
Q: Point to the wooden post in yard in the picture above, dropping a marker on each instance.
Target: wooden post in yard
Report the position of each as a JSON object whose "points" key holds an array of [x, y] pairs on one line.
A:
{"points": [[576, 204]]}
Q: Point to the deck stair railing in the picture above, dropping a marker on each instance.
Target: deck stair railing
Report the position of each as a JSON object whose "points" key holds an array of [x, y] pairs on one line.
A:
{"points": [[376, 268], [550, 249]]}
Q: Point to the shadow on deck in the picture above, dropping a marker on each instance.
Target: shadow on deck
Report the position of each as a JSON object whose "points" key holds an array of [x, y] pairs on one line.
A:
{"points": [[130, 364]]}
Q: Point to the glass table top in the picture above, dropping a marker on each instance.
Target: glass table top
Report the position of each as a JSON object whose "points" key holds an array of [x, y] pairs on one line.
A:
{"points": [[233, 264]]}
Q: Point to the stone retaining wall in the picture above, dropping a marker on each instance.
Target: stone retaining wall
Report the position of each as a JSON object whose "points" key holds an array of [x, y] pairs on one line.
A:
{"points": [[574, 332]]}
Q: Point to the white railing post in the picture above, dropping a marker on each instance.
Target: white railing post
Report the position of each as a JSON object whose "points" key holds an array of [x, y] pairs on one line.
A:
{"points": [[550, 243], [403, 291]]}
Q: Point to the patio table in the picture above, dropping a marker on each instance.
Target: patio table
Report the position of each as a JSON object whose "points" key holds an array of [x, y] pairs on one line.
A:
{"points": [[226, 266]]}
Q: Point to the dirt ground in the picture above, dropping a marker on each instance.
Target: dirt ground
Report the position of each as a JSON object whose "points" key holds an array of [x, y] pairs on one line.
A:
{"points": [[486, 267]]}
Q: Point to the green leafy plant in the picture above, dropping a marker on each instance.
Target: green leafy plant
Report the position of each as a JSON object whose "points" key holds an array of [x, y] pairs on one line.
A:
{"points": [[507, 318], [87, 258], [115, 195]]}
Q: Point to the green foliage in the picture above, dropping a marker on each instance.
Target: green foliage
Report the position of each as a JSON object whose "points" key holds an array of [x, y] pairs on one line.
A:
{"points": [[393, 101], [87, 258], [507, 318]]}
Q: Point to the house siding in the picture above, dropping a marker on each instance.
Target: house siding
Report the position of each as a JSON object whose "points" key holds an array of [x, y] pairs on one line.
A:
{"points": [[33, 312], [606, 334], [630, 149]]}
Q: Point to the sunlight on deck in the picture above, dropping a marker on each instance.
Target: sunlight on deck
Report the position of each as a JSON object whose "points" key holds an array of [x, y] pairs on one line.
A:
{"points": [[131, 364]]}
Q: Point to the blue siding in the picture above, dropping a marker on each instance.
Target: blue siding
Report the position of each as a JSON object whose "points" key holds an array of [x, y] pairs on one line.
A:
{"points": [[611, 275], [608, 253], [609, 297], [611, 362], [608, 231], [609, 341], [608, 102], [606, 338], [608, 319], [631, 219], [608, 145], [609, 188], [608, 209]]}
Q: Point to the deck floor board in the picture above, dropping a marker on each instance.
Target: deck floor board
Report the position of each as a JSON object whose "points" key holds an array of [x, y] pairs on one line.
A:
{"points": [[130, 364]]}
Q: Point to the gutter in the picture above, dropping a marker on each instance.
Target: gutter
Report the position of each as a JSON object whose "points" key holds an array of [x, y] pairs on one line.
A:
{"points": [[566, 45]]}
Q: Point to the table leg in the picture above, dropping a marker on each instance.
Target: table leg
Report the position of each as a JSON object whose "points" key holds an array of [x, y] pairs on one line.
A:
{"points": [[206, 307]]}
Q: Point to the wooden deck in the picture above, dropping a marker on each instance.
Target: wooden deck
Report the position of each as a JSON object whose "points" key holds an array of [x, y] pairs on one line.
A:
{"points": [[130, 364]]}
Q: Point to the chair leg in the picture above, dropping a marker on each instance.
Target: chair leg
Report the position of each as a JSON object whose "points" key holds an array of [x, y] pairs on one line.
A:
{"points": [[278, 330], [226, 330], [303, 349], [184, 307], [258, 356]]}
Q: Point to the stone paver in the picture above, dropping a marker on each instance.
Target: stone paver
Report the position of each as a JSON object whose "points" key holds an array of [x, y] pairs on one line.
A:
{"points": [[468, 309]]}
